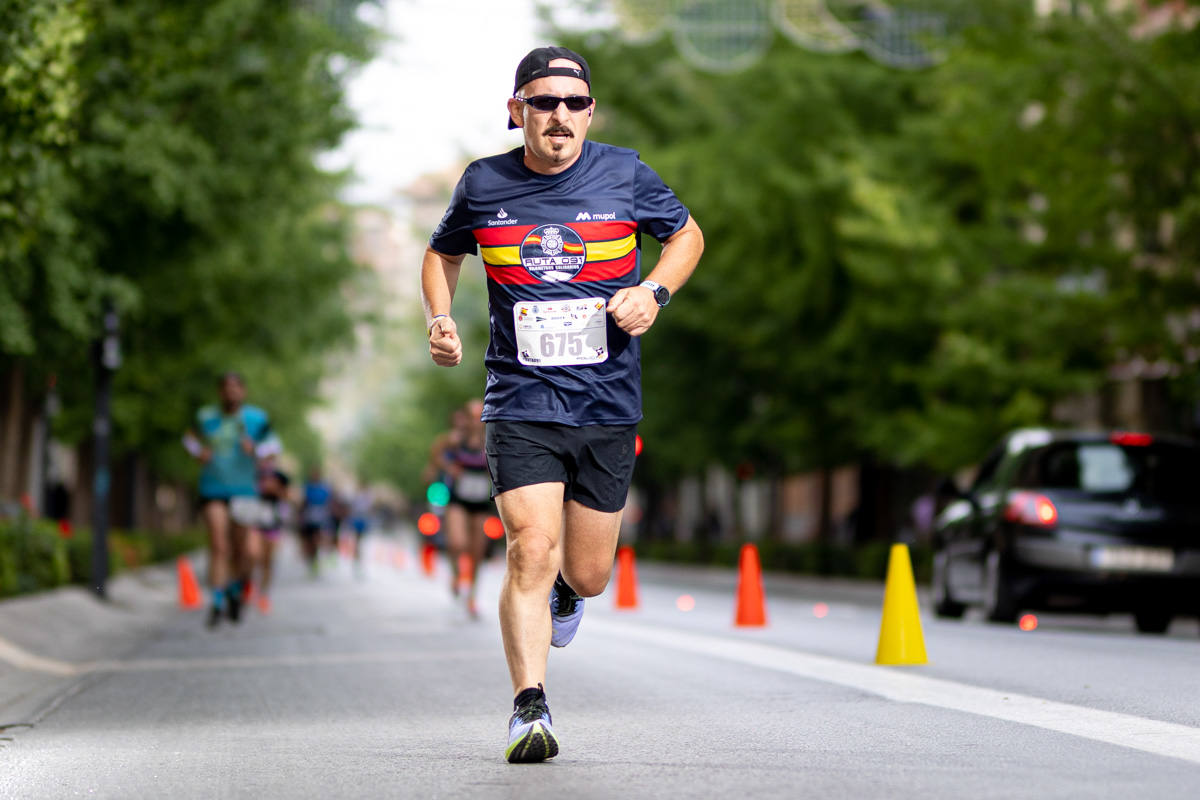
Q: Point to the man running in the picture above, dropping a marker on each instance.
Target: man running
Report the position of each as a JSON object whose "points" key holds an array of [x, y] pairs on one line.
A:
{"points": [[228, 439], [316, 518], [361, 505], [273, 486], [558, 223]]}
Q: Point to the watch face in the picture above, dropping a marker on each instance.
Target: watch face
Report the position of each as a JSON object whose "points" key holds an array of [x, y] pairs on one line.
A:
{"points": [[662, 296]]}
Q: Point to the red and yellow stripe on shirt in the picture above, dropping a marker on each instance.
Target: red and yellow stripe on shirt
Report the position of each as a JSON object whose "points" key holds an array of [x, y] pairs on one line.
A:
{"points": [[610, 247]]}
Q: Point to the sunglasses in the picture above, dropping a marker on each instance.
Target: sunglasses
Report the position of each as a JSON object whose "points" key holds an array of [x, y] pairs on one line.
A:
{"points": [[548, 102]]}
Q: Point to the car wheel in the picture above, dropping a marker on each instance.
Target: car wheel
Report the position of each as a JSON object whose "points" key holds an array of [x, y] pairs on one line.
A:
{"points": [[944, 605], [1152, 620], [999, 599]]}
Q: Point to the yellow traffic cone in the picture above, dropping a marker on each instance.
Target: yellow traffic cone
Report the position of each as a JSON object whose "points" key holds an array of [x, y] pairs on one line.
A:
{"points": [[900, 637]]}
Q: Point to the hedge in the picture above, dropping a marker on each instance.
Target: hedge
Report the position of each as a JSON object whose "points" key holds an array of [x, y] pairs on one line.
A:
{"points": [[867, 560], [36, 555]]}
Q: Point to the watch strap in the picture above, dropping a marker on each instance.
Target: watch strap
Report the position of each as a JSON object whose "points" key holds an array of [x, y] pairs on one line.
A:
{"points": [[662, 295]]}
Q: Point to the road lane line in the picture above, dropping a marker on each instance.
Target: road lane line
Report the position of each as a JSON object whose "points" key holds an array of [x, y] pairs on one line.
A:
{"points": [[23, 659], [1125, 730]]}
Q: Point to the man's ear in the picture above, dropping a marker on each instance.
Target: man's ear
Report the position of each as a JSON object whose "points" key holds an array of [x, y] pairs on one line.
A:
{"points": [[516, 112]]}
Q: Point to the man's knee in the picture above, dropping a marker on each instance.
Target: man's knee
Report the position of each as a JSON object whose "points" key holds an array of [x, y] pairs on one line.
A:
{"points": [[531, 557], [588, 580]]}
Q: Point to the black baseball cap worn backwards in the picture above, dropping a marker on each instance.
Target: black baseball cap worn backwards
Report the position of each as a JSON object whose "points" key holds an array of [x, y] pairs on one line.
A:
{"points": [[536, 64]]}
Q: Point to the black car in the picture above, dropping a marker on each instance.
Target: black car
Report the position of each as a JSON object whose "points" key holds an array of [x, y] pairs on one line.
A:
{"points": [[1070, 521]]}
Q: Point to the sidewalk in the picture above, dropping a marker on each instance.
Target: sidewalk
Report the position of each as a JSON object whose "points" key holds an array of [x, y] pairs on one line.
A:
{"points": [[47, 637]]}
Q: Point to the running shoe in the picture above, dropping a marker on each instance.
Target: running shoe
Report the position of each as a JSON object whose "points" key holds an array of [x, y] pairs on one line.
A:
{"points": [[566, 611], [234, 602], [214, 616], [530, 737]]}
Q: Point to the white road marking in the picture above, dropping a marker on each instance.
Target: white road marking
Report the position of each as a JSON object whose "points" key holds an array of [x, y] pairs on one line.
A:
{"points": [[23, 659], [1125, 730]]}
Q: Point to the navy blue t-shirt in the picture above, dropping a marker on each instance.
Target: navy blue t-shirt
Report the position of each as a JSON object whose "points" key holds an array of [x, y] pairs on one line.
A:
{"points": [[555, 247]]}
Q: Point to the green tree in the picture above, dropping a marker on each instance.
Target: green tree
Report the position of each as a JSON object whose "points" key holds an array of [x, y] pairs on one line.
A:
{"points": [[45, 277], [394, 443], [904, 265], [165, 160], [1067, 151], [824, 270]]}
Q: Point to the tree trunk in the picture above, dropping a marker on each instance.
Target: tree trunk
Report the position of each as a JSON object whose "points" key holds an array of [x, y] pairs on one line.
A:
{"points": [[81, 494], [20, 424], [825, 504], [12, 409]]}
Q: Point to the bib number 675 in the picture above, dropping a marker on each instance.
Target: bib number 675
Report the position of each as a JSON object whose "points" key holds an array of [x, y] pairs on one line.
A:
{"points": [[557, 345]]}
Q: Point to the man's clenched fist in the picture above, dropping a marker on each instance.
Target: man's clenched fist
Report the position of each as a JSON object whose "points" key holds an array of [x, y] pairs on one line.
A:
{"points": [[445, 348]]}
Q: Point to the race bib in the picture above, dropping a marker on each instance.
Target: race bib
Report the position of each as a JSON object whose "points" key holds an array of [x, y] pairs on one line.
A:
{"points": [[474, 487], [561, 333]]}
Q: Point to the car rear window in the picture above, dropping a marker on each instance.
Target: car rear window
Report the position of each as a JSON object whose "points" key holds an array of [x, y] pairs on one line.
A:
{"points": [[1166, 472]]}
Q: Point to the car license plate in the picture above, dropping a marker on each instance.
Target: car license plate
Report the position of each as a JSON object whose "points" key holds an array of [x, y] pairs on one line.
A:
{"points": [[1140, 559]]}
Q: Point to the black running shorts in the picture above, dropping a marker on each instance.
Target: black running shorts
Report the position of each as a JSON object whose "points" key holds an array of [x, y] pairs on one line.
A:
{"points": [[594, 463]]}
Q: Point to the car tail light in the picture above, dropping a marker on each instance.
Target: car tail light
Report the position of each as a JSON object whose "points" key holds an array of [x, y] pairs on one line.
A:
{"points": [[1131, 439], [1030, 508]]}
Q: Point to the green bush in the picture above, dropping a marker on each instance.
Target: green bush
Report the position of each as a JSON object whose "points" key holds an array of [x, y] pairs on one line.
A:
{"points": [[130, 549], [79, 553], [35, 555]]}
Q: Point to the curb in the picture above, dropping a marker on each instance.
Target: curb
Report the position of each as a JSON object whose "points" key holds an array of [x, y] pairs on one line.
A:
{"points": [[47, 639]]}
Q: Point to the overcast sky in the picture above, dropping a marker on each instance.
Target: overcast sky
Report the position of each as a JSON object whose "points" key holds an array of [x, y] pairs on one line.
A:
{"points": [[436, 91]]}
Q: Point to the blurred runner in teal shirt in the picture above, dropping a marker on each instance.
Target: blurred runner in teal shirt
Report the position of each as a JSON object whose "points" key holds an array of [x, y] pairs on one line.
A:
{"points": [[229, 439]]}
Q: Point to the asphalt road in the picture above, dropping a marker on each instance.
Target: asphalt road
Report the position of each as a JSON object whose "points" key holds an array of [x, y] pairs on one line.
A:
{"points": [[379, 685]]}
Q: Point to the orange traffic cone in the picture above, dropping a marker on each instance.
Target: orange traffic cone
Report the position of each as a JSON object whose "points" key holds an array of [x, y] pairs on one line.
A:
{"points": [[189, 590], [627, 596], [751, 603], [428, 554]]}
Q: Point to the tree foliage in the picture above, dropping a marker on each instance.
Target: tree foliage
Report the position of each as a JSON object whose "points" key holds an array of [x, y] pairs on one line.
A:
{"points": [[906, 264], [171, 152], [44, 280], [394, 443]]}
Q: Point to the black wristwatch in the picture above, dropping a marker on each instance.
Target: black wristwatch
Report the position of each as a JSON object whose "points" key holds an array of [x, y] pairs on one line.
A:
{"points": [[662, 295]]}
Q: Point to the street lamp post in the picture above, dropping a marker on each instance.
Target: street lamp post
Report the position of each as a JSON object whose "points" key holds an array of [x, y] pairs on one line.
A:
{"points": [[108, 358]]}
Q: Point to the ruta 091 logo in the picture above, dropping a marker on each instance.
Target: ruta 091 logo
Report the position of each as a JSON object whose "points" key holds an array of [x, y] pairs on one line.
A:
{"points": [[553, 253]]}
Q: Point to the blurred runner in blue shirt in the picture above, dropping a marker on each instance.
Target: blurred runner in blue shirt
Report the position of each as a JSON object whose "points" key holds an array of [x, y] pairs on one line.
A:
{"points": [[316, 517]]}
